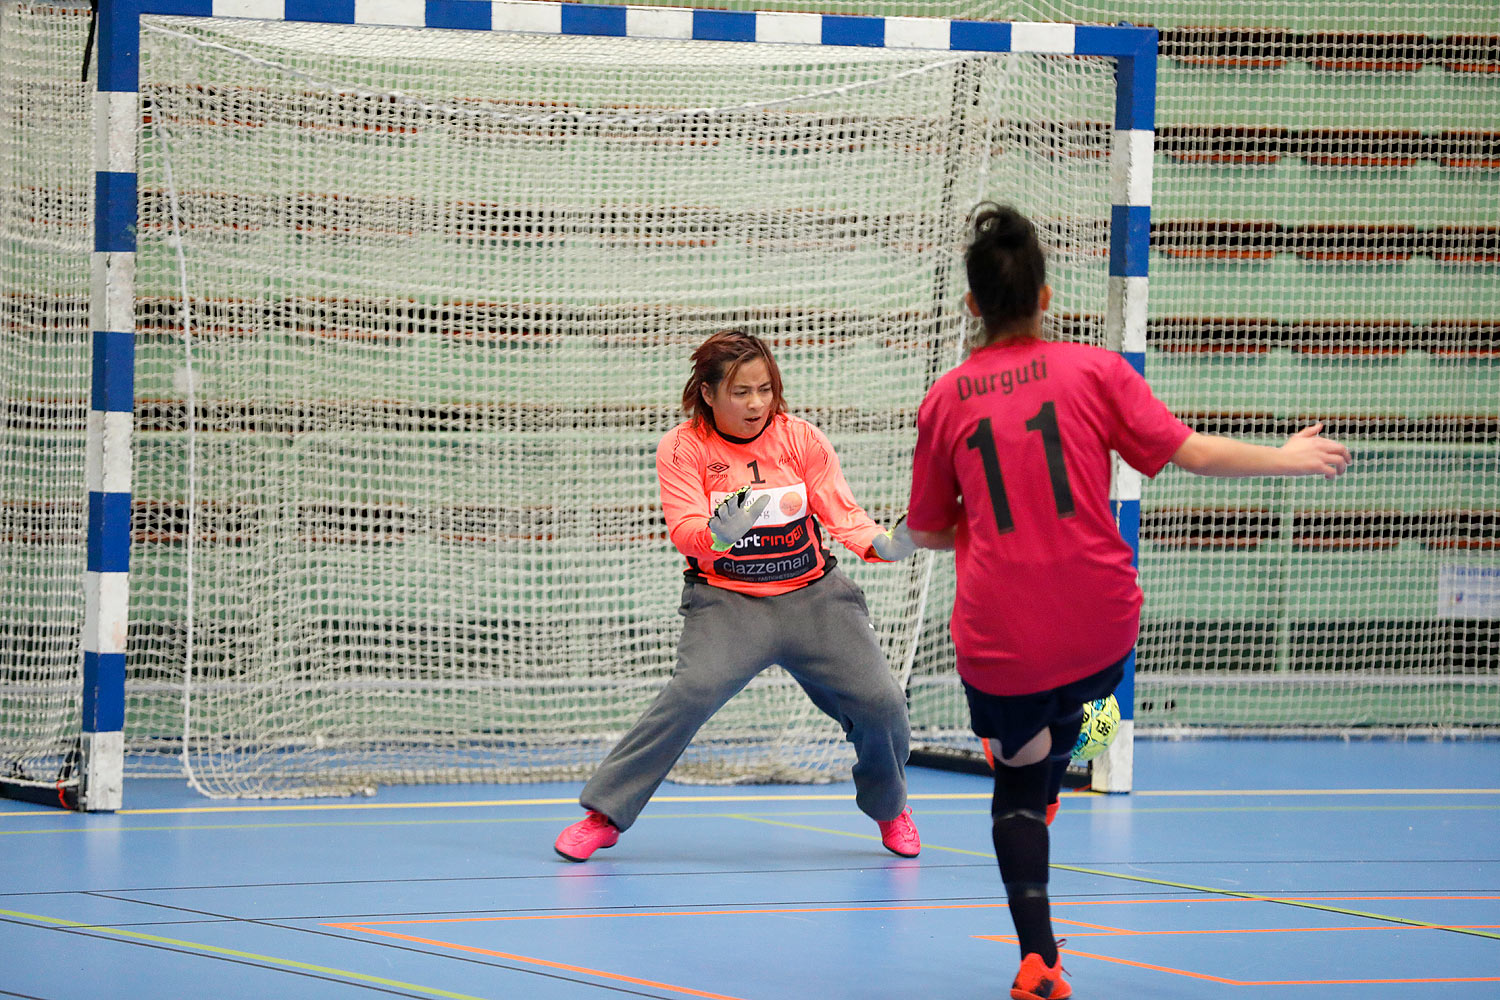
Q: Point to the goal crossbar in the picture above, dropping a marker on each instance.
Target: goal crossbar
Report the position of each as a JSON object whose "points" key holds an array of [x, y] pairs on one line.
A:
{"points": [[113, 319]]}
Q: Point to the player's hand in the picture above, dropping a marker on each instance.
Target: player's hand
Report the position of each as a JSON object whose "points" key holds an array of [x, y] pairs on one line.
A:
{"points": [[734, 516], [1308, 453], [895, 544]]}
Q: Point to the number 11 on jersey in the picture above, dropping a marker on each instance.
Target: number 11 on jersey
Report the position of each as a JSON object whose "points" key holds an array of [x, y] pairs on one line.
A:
{"points": [[1045, 424]]}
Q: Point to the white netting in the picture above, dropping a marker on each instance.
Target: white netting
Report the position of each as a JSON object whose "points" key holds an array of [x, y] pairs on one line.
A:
{"points": [[1326, 190], [1325, 250], [1354, 17], [396, 509], [45, 238], [1325, 246]]}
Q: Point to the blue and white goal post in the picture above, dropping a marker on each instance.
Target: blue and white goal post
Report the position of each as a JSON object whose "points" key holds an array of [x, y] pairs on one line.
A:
{"points": [[113, 320]]}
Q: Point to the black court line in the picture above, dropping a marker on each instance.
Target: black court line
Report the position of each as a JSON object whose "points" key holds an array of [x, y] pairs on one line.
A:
{"points": [[564, 870], [603, 875]]}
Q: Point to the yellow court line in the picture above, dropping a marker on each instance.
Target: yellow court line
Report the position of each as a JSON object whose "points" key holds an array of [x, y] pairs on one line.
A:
{"points": [[849, 833], [304, 822], [37, 919], [462, 804], [483, 803], [776, 797]]}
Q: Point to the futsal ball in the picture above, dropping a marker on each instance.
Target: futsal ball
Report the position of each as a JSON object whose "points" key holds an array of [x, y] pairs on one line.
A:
{"points": [[1101, 720]]}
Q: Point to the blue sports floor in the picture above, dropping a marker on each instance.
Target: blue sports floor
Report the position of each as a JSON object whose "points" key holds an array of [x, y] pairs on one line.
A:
{"points": [[1238, 869]]}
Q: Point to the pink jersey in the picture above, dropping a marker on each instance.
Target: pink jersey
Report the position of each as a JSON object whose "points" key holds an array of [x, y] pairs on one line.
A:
{"points": [[1013, 446], [793, 462]]}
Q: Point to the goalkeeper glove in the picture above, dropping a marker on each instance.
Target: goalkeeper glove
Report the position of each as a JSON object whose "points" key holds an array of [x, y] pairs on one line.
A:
{"points": [[896, 544], [734, 516]]}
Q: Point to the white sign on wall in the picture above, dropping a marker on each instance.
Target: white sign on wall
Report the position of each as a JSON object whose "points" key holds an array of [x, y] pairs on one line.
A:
{"points": [[1468, 592]]}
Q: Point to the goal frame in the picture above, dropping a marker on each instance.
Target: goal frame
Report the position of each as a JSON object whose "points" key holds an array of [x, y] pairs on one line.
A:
{"points": [[104, 640]]}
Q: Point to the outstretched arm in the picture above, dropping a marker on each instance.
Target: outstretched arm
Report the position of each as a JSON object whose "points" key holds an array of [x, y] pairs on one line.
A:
{"points": [[934, 539], [1305, 453], [829, 496]]}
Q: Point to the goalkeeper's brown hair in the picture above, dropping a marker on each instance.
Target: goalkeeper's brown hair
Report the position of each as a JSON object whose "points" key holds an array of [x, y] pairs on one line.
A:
{"points": [[718, 358]]}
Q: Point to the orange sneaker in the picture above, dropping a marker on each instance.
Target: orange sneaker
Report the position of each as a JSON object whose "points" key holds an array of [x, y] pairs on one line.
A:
{"points": [[1039, 981], [588, 835], [899, 835]]}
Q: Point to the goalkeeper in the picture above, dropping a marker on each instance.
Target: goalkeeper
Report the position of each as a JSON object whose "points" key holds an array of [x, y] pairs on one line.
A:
{"points": [[748, 491]]}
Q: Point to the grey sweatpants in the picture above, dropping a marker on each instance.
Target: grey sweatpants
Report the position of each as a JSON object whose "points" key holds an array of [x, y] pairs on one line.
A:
{"points": [[821, 635]]}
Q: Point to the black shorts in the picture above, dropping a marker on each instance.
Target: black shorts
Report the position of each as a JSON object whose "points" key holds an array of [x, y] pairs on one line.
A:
{"points": [[1014, 719]]}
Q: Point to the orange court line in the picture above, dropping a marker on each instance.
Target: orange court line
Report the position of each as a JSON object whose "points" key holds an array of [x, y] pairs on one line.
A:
{"points": [[369, 927], [1102, 930], [688, 991], [772, 911], [682, 913], [1276, 982]]}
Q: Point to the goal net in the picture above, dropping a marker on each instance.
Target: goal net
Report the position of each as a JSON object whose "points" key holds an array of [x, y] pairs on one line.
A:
{"points": [[413, 308], [1322, 246], [45, 239]]}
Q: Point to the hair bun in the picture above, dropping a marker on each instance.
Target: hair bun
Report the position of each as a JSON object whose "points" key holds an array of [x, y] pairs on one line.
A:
{"points": [[1000, 226]]}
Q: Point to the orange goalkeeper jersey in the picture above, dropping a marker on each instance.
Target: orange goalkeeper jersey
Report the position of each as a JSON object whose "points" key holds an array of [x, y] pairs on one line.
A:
{"points": [[793, 462]]}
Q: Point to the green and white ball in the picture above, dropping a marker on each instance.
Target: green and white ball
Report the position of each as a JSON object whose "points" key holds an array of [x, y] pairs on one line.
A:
{"points": [[1101, 721]]}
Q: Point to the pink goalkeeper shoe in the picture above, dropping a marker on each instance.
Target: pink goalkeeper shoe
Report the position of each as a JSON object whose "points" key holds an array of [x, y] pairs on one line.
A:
{"points": [[588, 835], [899, 835]]}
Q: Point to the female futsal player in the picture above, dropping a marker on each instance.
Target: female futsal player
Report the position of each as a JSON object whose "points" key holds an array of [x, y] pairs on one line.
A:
{"points": [[1012, 468], [748, 491]]}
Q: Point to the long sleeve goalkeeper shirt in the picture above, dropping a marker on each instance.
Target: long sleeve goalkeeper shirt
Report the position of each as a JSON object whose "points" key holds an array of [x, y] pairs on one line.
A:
{"points": [[793, 462]]}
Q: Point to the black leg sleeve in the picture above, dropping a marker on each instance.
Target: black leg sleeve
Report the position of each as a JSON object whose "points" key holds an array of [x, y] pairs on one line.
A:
{"points": [[1022, 847]]}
